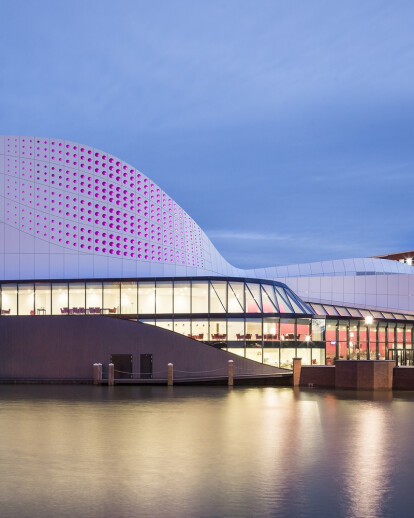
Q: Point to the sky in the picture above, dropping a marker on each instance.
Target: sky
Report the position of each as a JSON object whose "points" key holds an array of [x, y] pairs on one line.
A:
{"points": [[284, 128]]}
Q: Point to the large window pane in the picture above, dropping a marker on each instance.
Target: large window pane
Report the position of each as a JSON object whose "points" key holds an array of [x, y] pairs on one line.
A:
{"points": [[382, 333], [353, 341], [146, 298], [253, 299], [77, 298], [164, 298], [286, 357], [373, 340], [303, 330], [271, 332], [254, 353], [254, 334], [199, 329], [363, 338], [129, 297], [43, 299], [60, 299], [236, 336], [318, 330], [391, 335], [305, 354], [111, 297], [182, 300], [9, 299], [235, 331], [199, 297], [218, 330], [343, 339], [330, 341], [400, 334], [218, 297], [26, 299], [269, 299], [94, 298], [318, 356], [287, 329], [271, 356], [408, 336], [235, 295]]}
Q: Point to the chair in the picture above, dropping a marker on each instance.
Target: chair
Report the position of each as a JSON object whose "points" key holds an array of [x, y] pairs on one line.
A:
{"points": [[259, 337], [112, 310], [201, 336], [98, 311], [248, 337], [64, 311], [32, 312], [81, 311]]}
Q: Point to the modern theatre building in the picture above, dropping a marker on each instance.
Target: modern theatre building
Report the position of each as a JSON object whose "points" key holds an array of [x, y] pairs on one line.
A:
{"points": [[97, 262]]}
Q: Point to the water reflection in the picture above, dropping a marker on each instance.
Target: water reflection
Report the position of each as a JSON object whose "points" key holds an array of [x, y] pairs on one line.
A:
{"points": [[181, 451]]}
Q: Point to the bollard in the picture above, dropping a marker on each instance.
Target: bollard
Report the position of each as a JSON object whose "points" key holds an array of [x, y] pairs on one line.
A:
{"points": [[100, 371], [95, 373], [111, 373], [170, 374], [230, 373], [297, 367]]}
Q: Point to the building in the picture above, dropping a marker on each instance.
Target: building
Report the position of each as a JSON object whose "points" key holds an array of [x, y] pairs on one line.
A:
{"points": [[84, 234]]}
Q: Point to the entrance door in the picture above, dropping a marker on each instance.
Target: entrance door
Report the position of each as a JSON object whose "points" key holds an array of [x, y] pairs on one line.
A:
{"points": [[122, 365], [146, 366]]}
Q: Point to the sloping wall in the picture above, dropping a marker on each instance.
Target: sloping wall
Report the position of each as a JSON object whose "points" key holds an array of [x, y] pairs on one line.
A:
{"points": [[53, 347]]}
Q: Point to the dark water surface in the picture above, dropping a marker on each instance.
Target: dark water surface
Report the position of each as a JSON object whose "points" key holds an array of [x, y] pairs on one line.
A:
{"points": [[83, 451]]}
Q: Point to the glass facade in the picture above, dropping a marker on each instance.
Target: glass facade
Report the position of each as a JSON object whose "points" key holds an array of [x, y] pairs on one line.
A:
{"points": [[149, 298], [260, 320]]}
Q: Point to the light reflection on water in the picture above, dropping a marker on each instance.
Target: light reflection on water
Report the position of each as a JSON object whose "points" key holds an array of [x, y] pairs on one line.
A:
{"points": [[190, 451]]}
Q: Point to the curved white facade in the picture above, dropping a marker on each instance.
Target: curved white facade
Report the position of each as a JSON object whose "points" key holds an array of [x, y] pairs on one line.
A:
{"points": [[68, 210]]}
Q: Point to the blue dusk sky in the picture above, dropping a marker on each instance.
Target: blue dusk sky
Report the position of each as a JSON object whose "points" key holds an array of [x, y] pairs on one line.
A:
{"points": [[285, 129]]}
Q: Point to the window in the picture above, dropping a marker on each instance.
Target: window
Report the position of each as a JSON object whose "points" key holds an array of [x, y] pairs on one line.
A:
{"points": [[94, 298], [182, 297], [129, 298], [146, 298], [164, 298], [43, 299], [60, 299], [199, 297], [111, 297], [77, 298], [26, 299]]}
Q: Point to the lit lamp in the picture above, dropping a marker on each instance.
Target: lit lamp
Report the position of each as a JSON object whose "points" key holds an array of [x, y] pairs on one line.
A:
{"points": [[307, 339], [368, 322]]}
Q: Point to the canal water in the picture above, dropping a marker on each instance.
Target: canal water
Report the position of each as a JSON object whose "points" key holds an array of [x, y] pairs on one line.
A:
{"points": [[84, 451]]}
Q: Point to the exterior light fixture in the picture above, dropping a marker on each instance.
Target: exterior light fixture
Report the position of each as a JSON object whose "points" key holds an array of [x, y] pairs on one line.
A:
{"points": [[369, 320], [307, 338]]}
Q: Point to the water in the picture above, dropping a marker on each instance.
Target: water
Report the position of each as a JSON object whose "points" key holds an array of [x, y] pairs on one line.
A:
{"points": [[82, 451]]}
